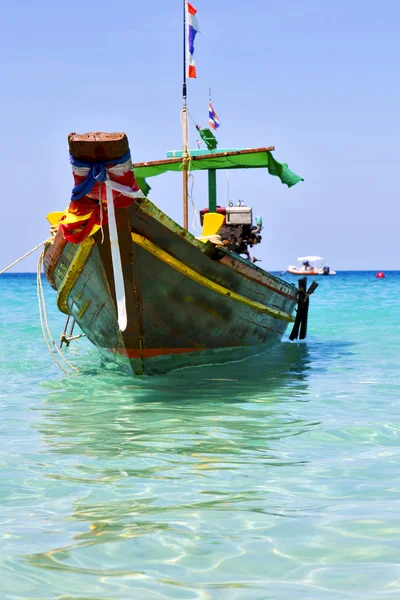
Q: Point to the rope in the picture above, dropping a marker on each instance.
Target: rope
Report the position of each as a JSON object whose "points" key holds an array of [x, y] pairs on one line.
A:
{"points": [[190, 116], [188, 168], [42, 306], [48, 338], [25, 255], [188, 137], [195, 218]]}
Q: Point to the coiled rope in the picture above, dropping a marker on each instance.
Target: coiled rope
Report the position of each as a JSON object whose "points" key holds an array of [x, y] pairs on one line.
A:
{"points": [[48, 338], [195, 219]]}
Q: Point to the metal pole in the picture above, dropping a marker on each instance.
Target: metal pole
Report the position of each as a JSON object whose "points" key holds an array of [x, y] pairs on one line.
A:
{"points": [[184, 53], [212, 191], [184, 128]]}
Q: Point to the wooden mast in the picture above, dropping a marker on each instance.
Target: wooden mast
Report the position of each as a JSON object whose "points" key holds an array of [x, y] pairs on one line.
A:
{"points": [[185, 154]]}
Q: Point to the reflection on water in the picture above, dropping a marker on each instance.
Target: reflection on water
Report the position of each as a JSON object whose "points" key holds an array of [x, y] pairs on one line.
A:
{"points": [[175, 486], [274, 478], [153, 466], [115, 415]]}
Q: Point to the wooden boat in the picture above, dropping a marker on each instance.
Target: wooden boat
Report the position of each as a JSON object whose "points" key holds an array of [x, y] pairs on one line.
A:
{"points": [[311, 265], [140, 286], [187, 301]]}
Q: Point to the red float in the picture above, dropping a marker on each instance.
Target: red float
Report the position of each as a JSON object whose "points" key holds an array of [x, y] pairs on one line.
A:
{"points": [[380, 275]]}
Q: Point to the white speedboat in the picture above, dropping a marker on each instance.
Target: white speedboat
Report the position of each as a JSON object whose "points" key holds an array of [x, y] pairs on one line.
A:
{"points": [[311, 265]]}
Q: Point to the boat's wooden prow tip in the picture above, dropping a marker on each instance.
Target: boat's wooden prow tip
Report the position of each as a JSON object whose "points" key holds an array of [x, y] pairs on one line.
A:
{"points": [[97, 146]]}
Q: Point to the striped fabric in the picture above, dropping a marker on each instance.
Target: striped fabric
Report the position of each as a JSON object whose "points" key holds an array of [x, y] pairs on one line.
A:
{"points": [[212, 117], [192, 29]]}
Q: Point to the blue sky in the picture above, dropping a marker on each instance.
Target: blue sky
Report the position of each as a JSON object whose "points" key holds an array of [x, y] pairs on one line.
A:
{"points": [[318, 80]]}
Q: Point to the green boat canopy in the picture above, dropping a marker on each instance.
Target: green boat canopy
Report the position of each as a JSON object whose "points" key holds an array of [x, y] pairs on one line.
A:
{"points": [[229, 159]]}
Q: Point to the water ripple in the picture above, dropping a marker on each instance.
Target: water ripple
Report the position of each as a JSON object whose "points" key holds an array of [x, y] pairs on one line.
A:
{"points": [[274, 478]]}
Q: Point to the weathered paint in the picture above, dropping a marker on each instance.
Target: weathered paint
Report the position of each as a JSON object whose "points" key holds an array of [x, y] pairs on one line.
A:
{"points": [[152, 352], [232, 260], [173, 319], [212, 190], [205, 281], [75, 268], [83, 309], [51, 257]]}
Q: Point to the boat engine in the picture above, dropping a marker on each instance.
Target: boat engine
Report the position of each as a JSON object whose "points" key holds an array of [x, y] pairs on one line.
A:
{"points": [[238, 232], [326, 270]]}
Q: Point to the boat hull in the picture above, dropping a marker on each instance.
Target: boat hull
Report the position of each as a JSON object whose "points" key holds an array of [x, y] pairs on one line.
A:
{"points": [[308, 273], [188, 302]]}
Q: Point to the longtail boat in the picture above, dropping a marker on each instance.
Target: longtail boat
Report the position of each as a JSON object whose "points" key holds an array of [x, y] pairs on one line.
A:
{"points": [[141, 287]]}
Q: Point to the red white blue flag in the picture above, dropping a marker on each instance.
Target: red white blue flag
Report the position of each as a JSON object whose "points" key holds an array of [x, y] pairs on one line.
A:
{"points": [[192, 29], [213, 119]]}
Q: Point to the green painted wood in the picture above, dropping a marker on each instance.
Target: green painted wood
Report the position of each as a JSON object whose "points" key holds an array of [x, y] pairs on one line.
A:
{"points": [[167, 309], [212, 190], [197, 152]]}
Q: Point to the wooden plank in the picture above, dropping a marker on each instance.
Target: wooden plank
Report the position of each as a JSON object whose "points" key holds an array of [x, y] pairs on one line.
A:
{"points": [[187, 271], [97, 146], [168, 161], [51, 257]]}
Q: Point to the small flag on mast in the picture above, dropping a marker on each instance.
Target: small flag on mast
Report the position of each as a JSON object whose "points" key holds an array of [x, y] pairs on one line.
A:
{"points": [[212, 117], [208, 138], [192, 29]]}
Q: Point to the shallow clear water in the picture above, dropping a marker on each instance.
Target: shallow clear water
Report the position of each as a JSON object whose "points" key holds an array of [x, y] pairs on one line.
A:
{"points": [[273, 478]]}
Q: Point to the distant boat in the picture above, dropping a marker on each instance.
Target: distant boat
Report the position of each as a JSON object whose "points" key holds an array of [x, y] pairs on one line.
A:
{"points": [[311, 265]]}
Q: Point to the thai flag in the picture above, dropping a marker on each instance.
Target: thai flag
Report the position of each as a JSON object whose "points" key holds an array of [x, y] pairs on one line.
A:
{"points": [[212, 117], [193, 28]]}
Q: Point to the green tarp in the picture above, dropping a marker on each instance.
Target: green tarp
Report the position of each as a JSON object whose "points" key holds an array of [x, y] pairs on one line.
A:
{"points": [[251, 160], [142, 183], [282, 171]]}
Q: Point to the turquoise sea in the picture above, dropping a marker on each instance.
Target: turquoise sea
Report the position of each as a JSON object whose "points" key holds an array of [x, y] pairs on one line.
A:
{"points": [[273, 478]]}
